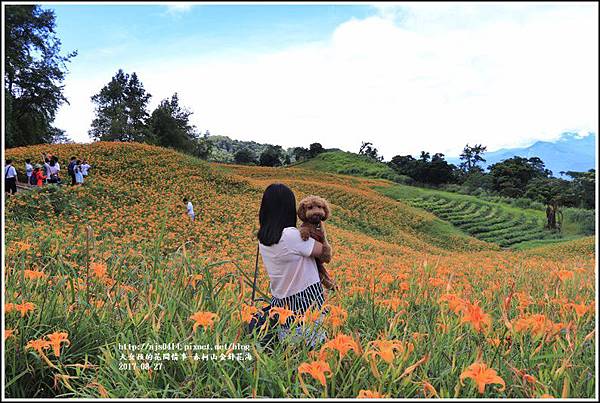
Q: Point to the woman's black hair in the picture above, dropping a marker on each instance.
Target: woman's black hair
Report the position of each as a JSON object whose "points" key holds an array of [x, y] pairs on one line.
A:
{"points": [[277, 211]]}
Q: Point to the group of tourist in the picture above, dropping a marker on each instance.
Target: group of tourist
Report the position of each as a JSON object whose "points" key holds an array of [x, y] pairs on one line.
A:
{"points": [[46, 172]]}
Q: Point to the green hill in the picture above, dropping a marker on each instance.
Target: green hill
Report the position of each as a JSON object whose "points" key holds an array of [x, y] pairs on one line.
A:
{"points": [[347, 163]]}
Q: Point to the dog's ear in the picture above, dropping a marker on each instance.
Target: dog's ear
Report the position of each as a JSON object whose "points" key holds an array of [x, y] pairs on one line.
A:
{"points": [[302, 210], [326, 208]]}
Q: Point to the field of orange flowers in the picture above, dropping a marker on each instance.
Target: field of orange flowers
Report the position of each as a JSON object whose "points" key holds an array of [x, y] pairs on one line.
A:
{"points": [[104, 282]]}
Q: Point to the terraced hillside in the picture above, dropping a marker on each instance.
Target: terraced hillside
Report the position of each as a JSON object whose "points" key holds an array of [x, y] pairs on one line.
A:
{"points": [[485, 221], [495, 222]]}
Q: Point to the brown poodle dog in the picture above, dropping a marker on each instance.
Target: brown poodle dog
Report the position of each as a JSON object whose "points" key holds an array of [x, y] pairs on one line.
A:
{"points": [[311, 211]]}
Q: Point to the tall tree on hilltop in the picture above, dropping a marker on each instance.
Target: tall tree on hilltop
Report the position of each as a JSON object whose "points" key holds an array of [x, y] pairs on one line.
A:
{"points": [[170, 127], [315, 149], [136, 100], [121, 110], [111, 111], [371, 152], [471, 156], [34, 71]]}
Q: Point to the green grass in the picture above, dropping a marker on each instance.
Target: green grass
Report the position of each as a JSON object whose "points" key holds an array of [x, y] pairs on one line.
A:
{"points": [[347, 163], [494, 222]]}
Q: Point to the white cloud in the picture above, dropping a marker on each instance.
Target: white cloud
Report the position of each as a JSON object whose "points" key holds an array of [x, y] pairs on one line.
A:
{"points": [[400, 79], [178, 8]]}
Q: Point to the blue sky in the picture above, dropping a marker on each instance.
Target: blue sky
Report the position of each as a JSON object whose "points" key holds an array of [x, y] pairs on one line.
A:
{"points": [[407, 76], [128, 33]]}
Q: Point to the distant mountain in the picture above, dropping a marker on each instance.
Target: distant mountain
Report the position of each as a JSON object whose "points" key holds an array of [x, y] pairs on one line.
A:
{"points": [[571, 152]]}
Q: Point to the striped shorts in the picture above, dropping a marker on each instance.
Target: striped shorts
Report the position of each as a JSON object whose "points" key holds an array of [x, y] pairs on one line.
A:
{"points": [[301, 301], [311, 297]]}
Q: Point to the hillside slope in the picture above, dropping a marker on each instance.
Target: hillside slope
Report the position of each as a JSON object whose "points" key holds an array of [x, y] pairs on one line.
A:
{"points": [[117, 262], [347, 163]]}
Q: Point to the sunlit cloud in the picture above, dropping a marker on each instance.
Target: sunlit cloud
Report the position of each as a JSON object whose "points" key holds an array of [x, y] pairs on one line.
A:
{"points": [[406, 79]]}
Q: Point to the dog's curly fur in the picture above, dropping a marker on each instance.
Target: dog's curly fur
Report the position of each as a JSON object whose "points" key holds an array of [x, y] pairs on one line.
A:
{"points": [[311, 211]]}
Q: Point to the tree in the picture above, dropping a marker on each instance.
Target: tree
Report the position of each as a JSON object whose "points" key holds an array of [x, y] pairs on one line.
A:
{"points": [[371, 152], [169, 125], [551, 191], [121, 110], [136, 101], [584, 186], [315, 149], [271, 156], [301, 153], [404, 165], [244, 156], [111, 118], [471, 156], [511, 176], [434, 170], [438, 171], [203, 146], [34, 72]]}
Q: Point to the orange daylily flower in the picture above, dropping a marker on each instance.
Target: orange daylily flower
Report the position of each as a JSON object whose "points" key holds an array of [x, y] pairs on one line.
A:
{"points": [[455, 303], [38, 345], [99, 270], [33, 274], [204, 319], [429, 391], [580, 309], [55, 339], [337, 315], [25, 307], [369, 394], [482, 375], [342, 343], [564, 274], [9, 333], [317, 369], [474, 315], [247, 312], [311, 315], [282, 314], [386, 348]]}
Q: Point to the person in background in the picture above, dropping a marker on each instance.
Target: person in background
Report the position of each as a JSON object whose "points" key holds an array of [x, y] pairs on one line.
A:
{"points": [[29, 171], [78, 173], [84, 168], [39, 175], [55, 159], [190, 208], [10, 178], [46, 160], [71, 170], [54, 169]]}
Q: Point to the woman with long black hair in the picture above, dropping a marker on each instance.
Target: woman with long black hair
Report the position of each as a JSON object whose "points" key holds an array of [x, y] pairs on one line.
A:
{"points": [[290, 261]]}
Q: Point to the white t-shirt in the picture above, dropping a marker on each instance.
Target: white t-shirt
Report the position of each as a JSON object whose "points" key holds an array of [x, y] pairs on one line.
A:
{"points": [[289, 264], [53, 169], [10, 172], [190, 208], [84, 169], [28, 169], [47, 167]]}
